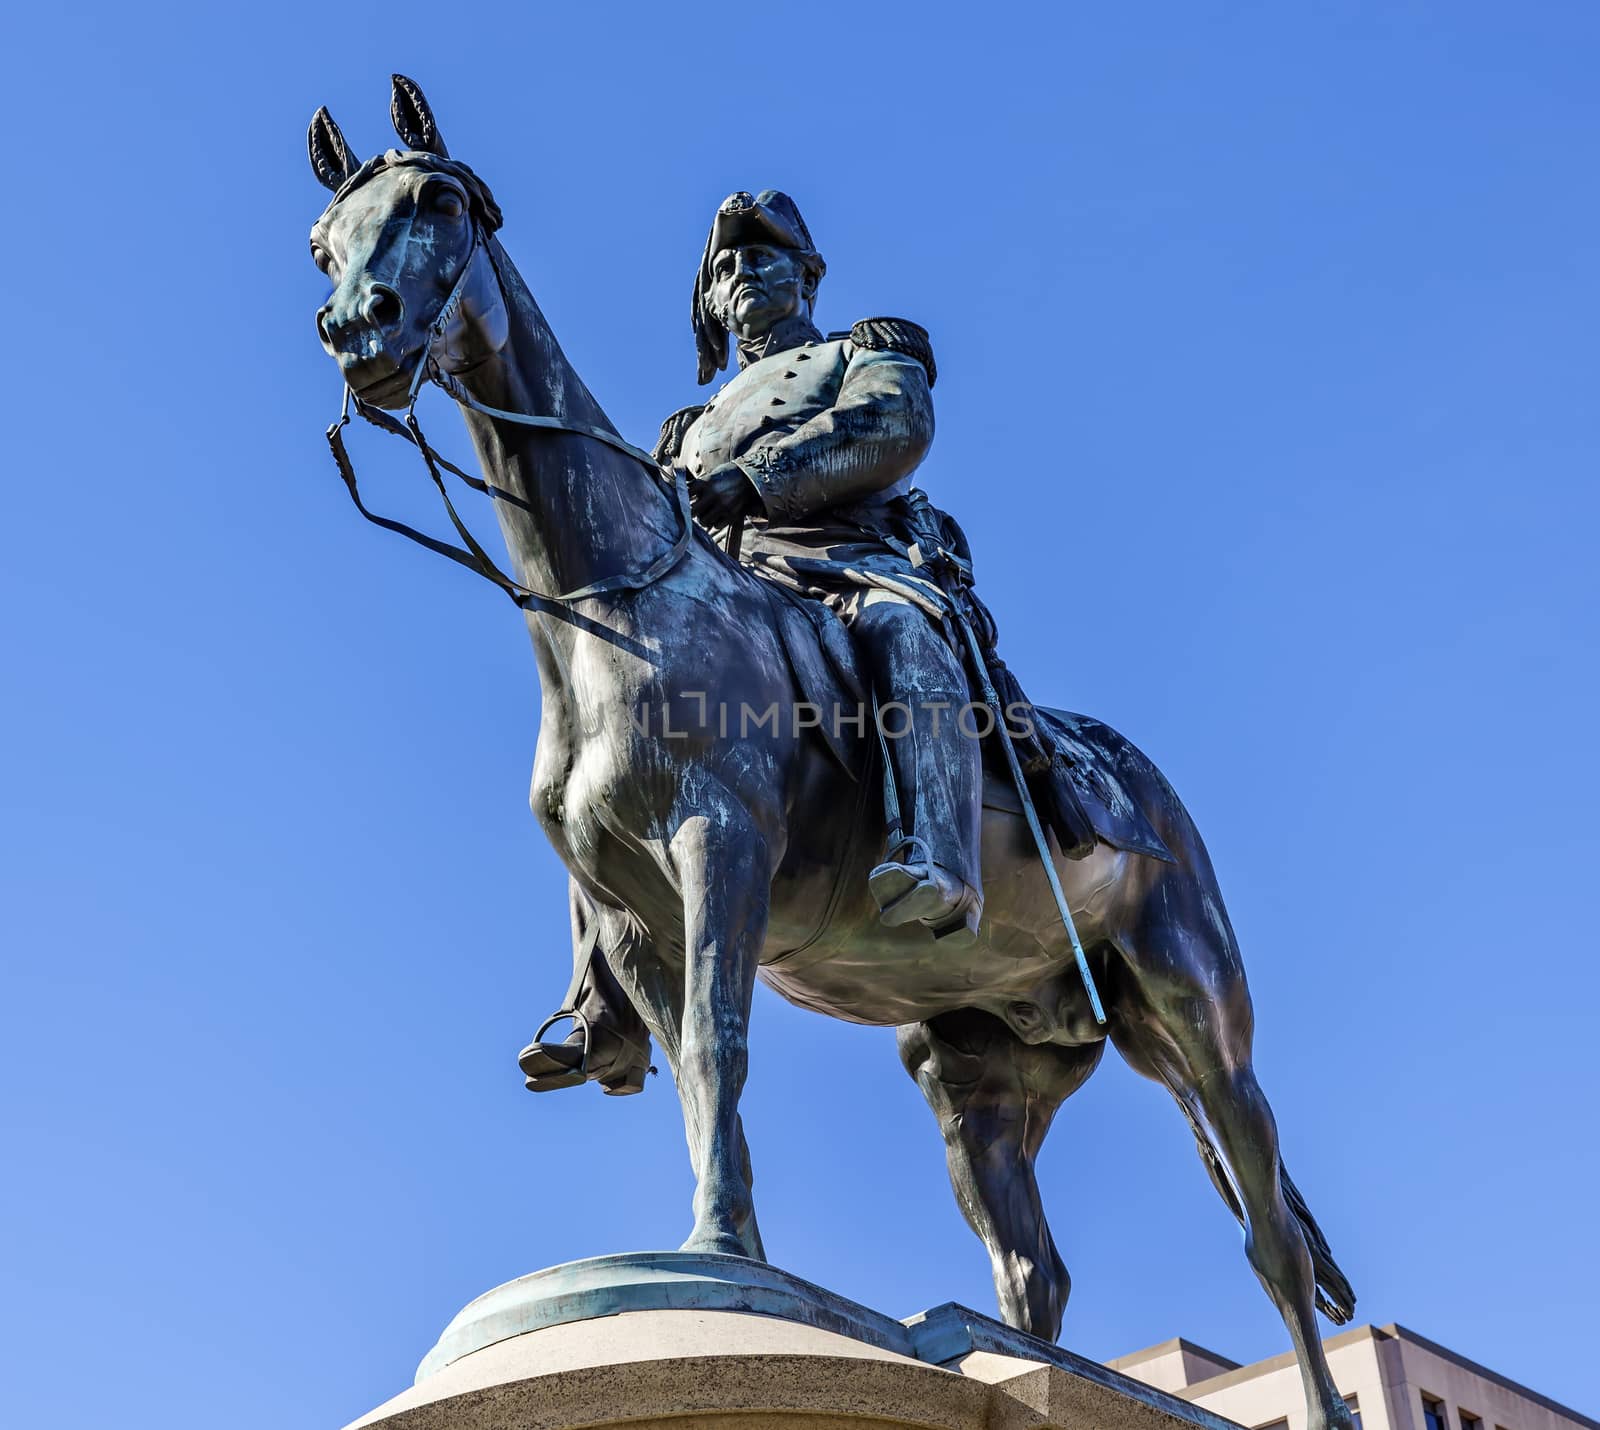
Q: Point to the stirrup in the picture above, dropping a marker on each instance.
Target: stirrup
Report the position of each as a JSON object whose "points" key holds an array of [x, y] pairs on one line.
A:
{"points": [[542, 1069], [892, 878], [899, 894], [913, 846], [548, 1066]]}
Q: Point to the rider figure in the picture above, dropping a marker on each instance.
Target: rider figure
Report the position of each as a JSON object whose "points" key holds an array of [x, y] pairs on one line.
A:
{"points": [[813, 444]]}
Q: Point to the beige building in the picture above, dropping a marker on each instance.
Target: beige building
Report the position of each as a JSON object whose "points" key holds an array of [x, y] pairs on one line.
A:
{"points": [[1392, 1378]]}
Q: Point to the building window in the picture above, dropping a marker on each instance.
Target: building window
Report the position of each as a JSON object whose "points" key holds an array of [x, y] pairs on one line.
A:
{"points": [[1434, 1415], [1469, 1422], [1355, 1412], [1274, 1425]]}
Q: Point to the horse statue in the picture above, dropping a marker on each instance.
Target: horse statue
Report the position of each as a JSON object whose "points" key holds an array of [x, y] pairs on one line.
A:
{"points": [[712, 854]]}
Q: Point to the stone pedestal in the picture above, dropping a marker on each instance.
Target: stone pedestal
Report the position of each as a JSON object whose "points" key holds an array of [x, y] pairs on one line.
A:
{"points": [[680, 1341]]}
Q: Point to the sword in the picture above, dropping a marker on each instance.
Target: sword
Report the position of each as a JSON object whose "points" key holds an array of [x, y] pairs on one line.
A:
{"points": [[992, 699]]}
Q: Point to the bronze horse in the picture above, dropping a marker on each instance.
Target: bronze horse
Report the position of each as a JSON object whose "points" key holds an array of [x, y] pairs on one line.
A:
{"points": [[710, 855]]}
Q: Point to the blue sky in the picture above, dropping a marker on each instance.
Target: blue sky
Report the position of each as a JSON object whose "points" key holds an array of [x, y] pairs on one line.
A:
{"points": [[1266, 339]]}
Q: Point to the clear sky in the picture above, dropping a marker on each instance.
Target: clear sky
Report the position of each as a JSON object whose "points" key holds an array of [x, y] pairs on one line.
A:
{"points": [[1267, 349]]}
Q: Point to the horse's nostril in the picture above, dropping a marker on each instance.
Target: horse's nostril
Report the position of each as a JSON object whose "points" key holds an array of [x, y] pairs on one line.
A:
{"points": [[383, 306], [322, 327]]}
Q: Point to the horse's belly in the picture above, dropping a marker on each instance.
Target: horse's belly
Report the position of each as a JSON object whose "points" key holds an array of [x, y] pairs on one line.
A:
{"points": [[857, 969]]}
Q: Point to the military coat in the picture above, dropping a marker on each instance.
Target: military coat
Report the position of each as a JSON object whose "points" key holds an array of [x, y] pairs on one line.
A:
{"points": [[830, 434]]}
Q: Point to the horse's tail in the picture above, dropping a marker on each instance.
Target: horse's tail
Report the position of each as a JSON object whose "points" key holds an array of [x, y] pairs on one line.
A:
{"points": [[1336, 1299], [1102, 748]]}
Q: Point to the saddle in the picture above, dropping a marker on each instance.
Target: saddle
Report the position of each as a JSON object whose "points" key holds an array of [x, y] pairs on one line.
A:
{"points": [[1097, 760]]}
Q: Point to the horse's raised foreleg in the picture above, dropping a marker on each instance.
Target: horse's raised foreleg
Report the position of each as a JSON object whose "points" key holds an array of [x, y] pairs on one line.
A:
{"points": [[724, 876], [995, 1097], [1183, 1017]]}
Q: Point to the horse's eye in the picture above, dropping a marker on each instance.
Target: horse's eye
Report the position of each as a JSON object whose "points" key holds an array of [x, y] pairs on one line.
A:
{"points": [[447, 201], [319, 257]]}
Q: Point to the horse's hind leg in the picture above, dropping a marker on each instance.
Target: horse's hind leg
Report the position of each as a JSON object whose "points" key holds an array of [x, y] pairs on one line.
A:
{"points": [[995, 1097], [1183, 1017]]}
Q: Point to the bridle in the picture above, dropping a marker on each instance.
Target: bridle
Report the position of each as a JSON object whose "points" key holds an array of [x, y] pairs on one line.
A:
{"points": [[470, 553]]}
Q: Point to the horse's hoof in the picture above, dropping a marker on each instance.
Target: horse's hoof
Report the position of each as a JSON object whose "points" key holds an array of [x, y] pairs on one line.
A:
{"points": [[722, 1244]]}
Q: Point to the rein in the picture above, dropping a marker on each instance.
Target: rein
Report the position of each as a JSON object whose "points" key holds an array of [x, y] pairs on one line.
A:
{"points": [[471, 554]]}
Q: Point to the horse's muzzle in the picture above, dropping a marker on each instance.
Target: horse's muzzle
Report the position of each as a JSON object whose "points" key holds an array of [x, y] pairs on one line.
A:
{"points": [[378, 378]]}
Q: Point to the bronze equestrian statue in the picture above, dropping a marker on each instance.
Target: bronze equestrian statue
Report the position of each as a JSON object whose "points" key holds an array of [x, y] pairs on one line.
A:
{"points": [[814, 443], [703, 853]]}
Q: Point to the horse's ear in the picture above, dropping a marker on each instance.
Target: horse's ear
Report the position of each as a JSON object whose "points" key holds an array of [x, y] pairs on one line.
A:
{"points": [[413, 119], [331, 159]]}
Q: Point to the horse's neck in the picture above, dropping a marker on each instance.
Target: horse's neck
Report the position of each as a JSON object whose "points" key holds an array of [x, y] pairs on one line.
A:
{"points": [[572, 510]]}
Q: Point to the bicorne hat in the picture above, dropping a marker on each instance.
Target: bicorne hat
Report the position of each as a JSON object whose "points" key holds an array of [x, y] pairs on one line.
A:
{"points": [[768, 217]]}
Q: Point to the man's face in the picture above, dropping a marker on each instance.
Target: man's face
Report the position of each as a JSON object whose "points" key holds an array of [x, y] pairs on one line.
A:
{"points": [[755, 287]]}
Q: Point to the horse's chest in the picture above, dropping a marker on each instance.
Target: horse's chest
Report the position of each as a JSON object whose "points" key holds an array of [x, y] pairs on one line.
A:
{"points": [[612, 791]]}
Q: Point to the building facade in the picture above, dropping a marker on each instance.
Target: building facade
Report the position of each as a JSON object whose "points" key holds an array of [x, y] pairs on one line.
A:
{"points": [[1392, 1378]]}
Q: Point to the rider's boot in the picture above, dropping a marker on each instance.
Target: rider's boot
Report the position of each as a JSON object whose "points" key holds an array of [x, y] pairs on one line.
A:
{"points": [[929, 874], [609, 1042]]}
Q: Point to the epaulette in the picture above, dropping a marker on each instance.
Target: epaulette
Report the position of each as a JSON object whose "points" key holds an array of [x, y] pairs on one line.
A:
{"points": [[670, 443], [898, 335]]}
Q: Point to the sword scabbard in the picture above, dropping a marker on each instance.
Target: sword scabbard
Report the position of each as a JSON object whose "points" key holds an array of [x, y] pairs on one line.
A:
{"points": [[1030, 814]]}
